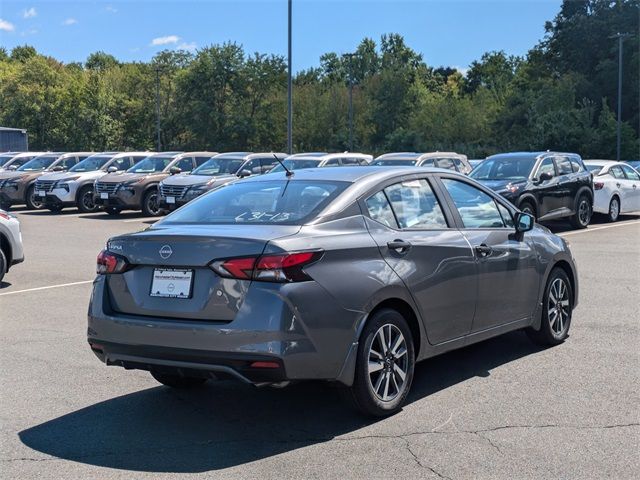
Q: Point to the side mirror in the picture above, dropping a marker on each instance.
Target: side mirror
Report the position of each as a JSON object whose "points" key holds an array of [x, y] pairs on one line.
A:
{"points": [[175, 170], [524, 222], [112, 169], [544, 176], [12, 167], [58, 168], [244, 173]]}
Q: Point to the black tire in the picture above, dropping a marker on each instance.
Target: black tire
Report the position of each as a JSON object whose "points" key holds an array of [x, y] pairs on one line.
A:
{"points": [[112, 211], [5, 206], [3, 264], [363, 393], [177, 381], [584, 211], [554, 329], [85, 200], [528, 207], [55, 208], [150, 207], [31, 201], [614, 209]]}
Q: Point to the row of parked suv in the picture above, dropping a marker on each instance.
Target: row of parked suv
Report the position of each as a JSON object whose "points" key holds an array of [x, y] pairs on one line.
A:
{"points": [[548, 185]]}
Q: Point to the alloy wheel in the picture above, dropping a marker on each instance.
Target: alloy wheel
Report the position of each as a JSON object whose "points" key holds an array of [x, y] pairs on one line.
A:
{"points": [[388, 362], [584, 212], [558, 308], [152, 204], [35, 201], [614, 209], [87, 201]]}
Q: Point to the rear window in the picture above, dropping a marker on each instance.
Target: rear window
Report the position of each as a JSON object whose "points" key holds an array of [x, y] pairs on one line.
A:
{"points": [[267, 202]]}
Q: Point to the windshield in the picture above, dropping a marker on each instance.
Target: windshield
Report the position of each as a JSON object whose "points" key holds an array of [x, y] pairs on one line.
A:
{"points": [[295, 165], [504, 168], [38, 164], [91, 164], [219, 166], [392, 163], [151, 165], [5, 158], [284, 202]]}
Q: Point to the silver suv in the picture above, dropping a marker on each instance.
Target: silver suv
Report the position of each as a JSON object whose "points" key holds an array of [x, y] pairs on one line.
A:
{"points": [[11, 251]]}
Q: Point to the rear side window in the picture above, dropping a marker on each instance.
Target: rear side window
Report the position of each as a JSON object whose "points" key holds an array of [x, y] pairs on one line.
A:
{"points": [[415, 205], [564, 166], [576, 164], [68, 162], [476, 208], [617, 172], [334, 162], [266, 202], [349, 161], [380, 210], [446, 163]]}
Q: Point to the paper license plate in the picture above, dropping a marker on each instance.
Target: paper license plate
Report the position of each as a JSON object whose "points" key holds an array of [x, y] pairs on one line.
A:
{"points": [[172, 283], [104, 196], [40, 193], [171, 199]]}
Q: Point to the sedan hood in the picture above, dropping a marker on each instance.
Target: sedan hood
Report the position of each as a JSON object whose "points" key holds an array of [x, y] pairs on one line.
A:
{"points": [[184, 179]]}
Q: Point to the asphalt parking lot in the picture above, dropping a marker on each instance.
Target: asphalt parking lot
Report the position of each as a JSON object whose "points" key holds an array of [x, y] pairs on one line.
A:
{"points": [[501, 409]]}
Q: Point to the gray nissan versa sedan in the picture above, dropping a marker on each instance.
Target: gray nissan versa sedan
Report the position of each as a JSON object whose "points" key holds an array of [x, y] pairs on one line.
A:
{"points": [[348, 275]]}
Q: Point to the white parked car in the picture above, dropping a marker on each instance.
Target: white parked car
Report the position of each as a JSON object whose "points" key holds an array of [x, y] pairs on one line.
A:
{"points": [[11, 251], [298, 161], [616, 187]]}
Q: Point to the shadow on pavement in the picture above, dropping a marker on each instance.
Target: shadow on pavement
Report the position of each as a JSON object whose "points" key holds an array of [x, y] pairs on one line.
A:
{"points": [[4, 284], [227, 424]]}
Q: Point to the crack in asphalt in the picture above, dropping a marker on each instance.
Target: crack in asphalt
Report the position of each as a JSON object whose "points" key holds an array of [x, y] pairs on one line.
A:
{"points": [[310, 440]]}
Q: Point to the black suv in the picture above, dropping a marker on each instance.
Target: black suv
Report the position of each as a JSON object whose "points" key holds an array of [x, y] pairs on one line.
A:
{"points": [[548, 185]]}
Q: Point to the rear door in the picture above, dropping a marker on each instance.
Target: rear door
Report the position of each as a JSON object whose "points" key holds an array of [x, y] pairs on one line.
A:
{"points": [[508, 280], [435, 262], [548, 200], [623, 186], [633, 182]]}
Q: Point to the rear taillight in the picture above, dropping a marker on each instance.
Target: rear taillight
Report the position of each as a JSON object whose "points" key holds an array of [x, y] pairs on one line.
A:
{"points": [[111, 263], [284, 267], [598, 185]]}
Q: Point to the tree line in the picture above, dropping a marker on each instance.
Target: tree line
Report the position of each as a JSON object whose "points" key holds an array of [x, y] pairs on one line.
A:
{"points": [[561, 95]]}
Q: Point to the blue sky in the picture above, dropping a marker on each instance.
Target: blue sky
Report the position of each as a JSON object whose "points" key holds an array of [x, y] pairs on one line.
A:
{"points": [[452, 33]]}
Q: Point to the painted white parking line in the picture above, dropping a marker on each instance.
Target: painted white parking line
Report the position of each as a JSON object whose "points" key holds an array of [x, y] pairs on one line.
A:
{"points": [[587, 230], [46, 288], [134, 220]]}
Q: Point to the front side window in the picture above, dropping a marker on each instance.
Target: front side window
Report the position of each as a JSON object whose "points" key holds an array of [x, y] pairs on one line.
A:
{"points": [[507, 218], [380, 210], [476, 208], [350, 161], [185, 164], [415, 205], [121, 163], [334, 162], [564, 166], [68, 162], [547, 167], [630, 172], [282, 202], [219, 166], [201, 160], [446, 163]]}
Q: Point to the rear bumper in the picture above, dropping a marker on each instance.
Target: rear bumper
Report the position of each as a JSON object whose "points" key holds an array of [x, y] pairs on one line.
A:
{"points": [[306, 343]]}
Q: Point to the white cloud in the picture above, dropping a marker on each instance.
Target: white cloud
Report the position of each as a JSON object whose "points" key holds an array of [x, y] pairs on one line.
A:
{"points": [[110, 9], [31, 31], [6, 26], [69, 21], [30, 13], [165, 40], [191, 46]]}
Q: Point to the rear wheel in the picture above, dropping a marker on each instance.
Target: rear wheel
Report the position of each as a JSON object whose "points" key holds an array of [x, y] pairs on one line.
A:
{"points": [[150, 206], [557, 307], [112, 211], [527, 207], [582, 216], [3, 264], [384, 366], [614, 209], [177, 381], [32, 201], [85, 200]]}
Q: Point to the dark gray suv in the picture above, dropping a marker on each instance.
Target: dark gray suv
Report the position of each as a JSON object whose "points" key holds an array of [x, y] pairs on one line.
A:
{"points": [[348, 275]]}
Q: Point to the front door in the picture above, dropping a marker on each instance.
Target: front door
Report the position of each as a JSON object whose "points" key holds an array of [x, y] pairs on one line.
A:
{"points": [[546, 190], [433, 260], [632, 189], [508, 280]]}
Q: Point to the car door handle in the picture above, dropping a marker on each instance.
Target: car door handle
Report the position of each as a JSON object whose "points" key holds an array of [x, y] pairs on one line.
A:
{"points": [[483, 250], [400, 246], [618, 185], [634, 186]]}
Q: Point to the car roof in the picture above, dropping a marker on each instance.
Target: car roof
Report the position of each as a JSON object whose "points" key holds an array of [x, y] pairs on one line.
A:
{"points": [[236, 155], [326, 156]]}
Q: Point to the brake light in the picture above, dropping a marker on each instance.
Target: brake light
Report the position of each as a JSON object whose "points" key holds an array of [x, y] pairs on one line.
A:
{"points": [[285, 267], [4, 215], [111, 263], [598, 185]]}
